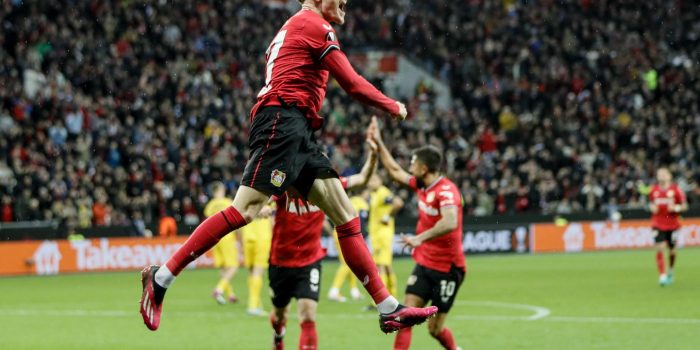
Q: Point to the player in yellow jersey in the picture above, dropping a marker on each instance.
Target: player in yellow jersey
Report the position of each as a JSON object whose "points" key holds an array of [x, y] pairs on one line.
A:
{"points": [[257, 237], [226, 251], [383, 205], [343, 273]]}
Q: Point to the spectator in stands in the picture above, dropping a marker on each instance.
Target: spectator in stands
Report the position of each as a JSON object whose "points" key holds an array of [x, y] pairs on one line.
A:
{"points": [[557, 106], [167, 227]]}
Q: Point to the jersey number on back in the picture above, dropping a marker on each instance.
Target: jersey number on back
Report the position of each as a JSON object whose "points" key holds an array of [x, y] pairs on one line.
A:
{"points": [[271, 54]]}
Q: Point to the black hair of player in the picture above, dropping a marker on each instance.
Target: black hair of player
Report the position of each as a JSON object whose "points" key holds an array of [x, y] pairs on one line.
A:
{"points": [[430, 156]]}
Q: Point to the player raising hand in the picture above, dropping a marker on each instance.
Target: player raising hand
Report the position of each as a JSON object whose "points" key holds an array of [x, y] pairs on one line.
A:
{"points": [[437, 245]]}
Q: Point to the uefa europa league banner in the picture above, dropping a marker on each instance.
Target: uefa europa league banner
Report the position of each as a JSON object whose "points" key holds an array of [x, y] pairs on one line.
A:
{"points": [[606, 235], [113, 254], [503, 238], [484, 239]]}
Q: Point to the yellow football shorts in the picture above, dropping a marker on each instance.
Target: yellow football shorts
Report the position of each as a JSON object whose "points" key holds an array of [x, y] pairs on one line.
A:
{"points": [[226, 252], [256, 252], [382, 247]]}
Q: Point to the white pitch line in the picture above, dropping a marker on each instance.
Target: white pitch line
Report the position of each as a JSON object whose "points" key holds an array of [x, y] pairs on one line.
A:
{"points": [[359, 315], [622, 320], [539, 312]]}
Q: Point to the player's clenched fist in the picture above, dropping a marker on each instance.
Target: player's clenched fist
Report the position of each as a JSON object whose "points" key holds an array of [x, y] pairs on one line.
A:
{"points": [[401, 115]]}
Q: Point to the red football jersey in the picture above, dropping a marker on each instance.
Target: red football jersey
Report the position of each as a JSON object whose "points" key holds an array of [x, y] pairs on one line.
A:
{"points": [[296, 239], [442, 252], [294, 72], [665, 198]]}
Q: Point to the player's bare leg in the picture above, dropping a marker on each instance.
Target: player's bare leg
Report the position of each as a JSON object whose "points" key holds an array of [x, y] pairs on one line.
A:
{"points": [[671, 263], [278, 320], [255, 281], [308, 339], [224, 289], [328, 194], [437, 329], [403, 337], [391, 278], [156, 279], [661, 263]]}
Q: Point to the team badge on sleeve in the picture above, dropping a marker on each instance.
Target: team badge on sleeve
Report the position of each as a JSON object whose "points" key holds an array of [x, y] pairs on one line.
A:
{"points": [[277, 178]]}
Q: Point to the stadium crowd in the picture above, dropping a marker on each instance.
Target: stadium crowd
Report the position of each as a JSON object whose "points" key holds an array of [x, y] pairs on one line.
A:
{"points": [[121, 112]]}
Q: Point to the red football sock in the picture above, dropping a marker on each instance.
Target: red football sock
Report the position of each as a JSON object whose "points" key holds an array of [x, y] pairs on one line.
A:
{"points": [[671, 259], [359, 259], [446, 340], [403, 339], [205, 236], [308, 340], [660, 263], [276, 325]]}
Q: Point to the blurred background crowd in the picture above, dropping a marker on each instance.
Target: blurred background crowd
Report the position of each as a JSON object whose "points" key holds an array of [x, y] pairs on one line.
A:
{"points": [[122, 112]]}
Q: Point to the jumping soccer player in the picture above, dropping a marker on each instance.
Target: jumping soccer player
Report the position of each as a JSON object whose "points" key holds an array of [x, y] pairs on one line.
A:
{"points": [[285, 156], [225, 252], [295, 261], [437, 245], [667, 201]]}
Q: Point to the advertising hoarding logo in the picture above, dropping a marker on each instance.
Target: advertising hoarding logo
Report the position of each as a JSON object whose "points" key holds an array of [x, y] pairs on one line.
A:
{"points": [[47, 258], [573, 238]]}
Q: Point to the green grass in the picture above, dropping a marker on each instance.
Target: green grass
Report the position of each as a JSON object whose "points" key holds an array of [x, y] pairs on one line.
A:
{"points": [[597, 301]]}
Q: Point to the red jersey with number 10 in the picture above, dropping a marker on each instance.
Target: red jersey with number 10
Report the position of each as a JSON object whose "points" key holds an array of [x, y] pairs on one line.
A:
{"points": [[665, 218], [294, 72], [442, 252]]}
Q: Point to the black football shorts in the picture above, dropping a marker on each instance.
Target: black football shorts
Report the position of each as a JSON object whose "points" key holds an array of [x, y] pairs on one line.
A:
{"points": [[294, 282], [668, 236], [284, 153], [434, 286]]}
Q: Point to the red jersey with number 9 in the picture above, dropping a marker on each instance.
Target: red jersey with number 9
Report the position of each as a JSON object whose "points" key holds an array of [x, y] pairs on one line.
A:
{"points": [[441, 252], [296, 236], [294, 72]]}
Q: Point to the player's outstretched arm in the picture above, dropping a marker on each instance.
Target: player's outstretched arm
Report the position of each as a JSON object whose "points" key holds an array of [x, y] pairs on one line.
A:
{"points": [[445, 225], [392, 167], [370, 166], [358, 87]]}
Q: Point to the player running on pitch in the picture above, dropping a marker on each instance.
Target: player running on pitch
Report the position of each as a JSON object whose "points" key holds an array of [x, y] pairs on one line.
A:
{"points": [[437, 246], [225, 252], [257, 238], [285, 156], [667, 201], [383, 207], [295, 262]]}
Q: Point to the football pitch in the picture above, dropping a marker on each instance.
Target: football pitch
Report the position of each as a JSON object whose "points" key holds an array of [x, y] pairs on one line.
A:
{"points": [[607, 300]]}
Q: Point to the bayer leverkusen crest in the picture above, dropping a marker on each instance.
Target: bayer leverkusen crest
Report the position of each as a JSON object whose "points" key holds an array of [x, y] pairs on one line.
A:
{"points": [[277, 178]]}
